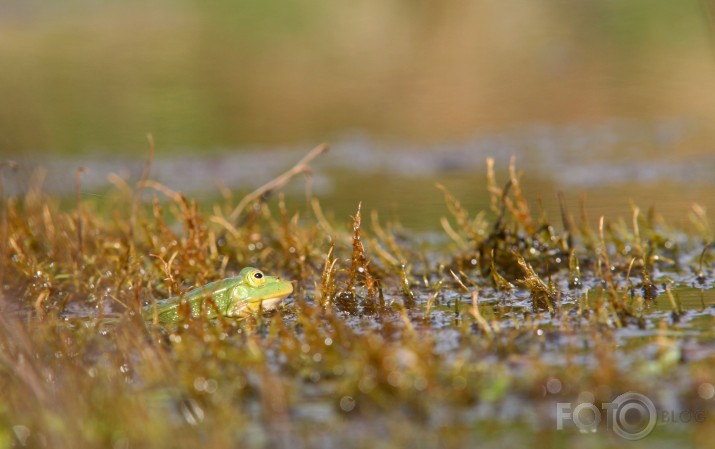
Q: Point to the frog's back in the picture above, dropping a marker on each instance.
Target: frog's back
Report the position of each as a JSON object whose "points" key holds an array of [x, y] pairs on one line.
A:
{"points": [[168, 309]]}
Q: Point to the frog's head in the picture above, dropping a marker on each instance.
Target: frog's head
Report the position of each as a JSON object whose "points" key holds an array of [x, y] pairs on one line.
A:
{"points": [[254, 290]]}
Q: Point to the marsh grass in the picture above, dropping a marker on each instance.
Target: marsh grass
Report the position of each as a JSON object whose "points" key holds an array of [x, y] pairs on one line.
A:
{"points": [[386, 340]]}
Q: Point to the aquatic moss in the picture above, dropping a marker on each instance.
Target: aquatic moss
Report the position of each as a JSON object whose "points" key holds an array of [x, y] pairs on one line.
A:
{"points": [[385, 340]]}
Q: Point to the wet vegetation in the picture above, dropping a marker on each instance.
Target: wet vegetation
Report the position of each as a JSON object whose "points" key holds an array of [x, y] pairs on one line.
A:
{"points": [[465, 336]]}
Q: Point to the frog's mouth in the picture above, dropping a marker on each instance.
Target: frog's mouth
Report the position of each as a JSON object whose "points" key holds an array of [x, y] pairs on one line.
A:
{"points": [[278, 295], [268, 298]]}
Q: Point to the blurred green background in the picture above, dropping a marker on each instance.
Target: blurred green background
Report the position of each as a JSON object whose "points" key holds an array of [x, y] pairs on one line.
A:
{"points": [[610, 98], [80, 75]]}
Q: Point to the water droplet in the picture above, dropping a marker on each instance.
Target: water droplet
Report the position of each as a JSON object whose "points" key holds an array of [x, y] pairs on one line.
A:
{"points": [[553, 385], [328, 341], [199, 384], [317, 357], [347, 404], [586, 397], [706, 390], [211, 386]]}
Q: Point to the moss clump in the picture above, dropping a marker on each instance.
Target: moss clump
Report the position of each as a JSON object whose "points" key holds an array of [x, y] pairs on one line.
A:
{"points": [[386, 339]]}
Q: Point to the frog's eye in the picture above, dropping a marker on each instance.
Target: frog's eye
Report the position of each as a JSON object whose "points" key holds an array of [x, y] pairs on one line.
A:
{"points": [[256, 278]]}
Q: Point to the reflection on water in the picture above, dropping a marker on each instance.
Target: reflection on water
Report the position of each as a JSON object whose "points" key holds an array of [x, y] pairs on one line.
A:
{"points": [[398, 180]]}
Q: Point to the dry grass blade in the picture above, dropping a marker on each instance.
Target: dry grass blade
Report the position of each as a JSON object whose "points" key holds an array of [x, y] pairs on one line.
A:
{"points": [[78, 192], [303, 166], [500, 283], [459, 213], [520, 210], [477, 315], [574, 271], [17, 355], [4, 218], [71, 378], [327, 290], [543, 296], [699, 218], [136, 197], [408, 295]]}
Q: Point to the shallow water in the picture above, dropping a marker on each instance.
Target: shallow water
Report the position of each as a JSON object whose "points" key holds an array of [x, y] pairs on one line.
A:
{"points": [[608, 166]]}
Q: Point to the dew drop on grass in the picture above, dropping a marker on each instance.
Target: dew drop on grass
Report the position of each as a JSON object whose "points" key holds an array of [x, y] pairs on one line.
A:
{"points": [[200, 384], [553, 386], [211, 386], [347, 404], [394, 378], [706, 390], [586, 397]]}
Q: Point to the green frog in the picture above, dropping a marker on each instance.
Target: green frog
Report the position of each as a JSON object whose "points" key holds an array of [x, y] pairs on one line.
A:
{"points": [[248, 292]]}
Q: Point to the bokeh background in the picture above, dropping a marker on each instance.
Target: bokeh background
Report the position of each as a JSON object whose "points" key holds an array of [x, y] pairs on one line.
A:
{"points": [[609, 98]]}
